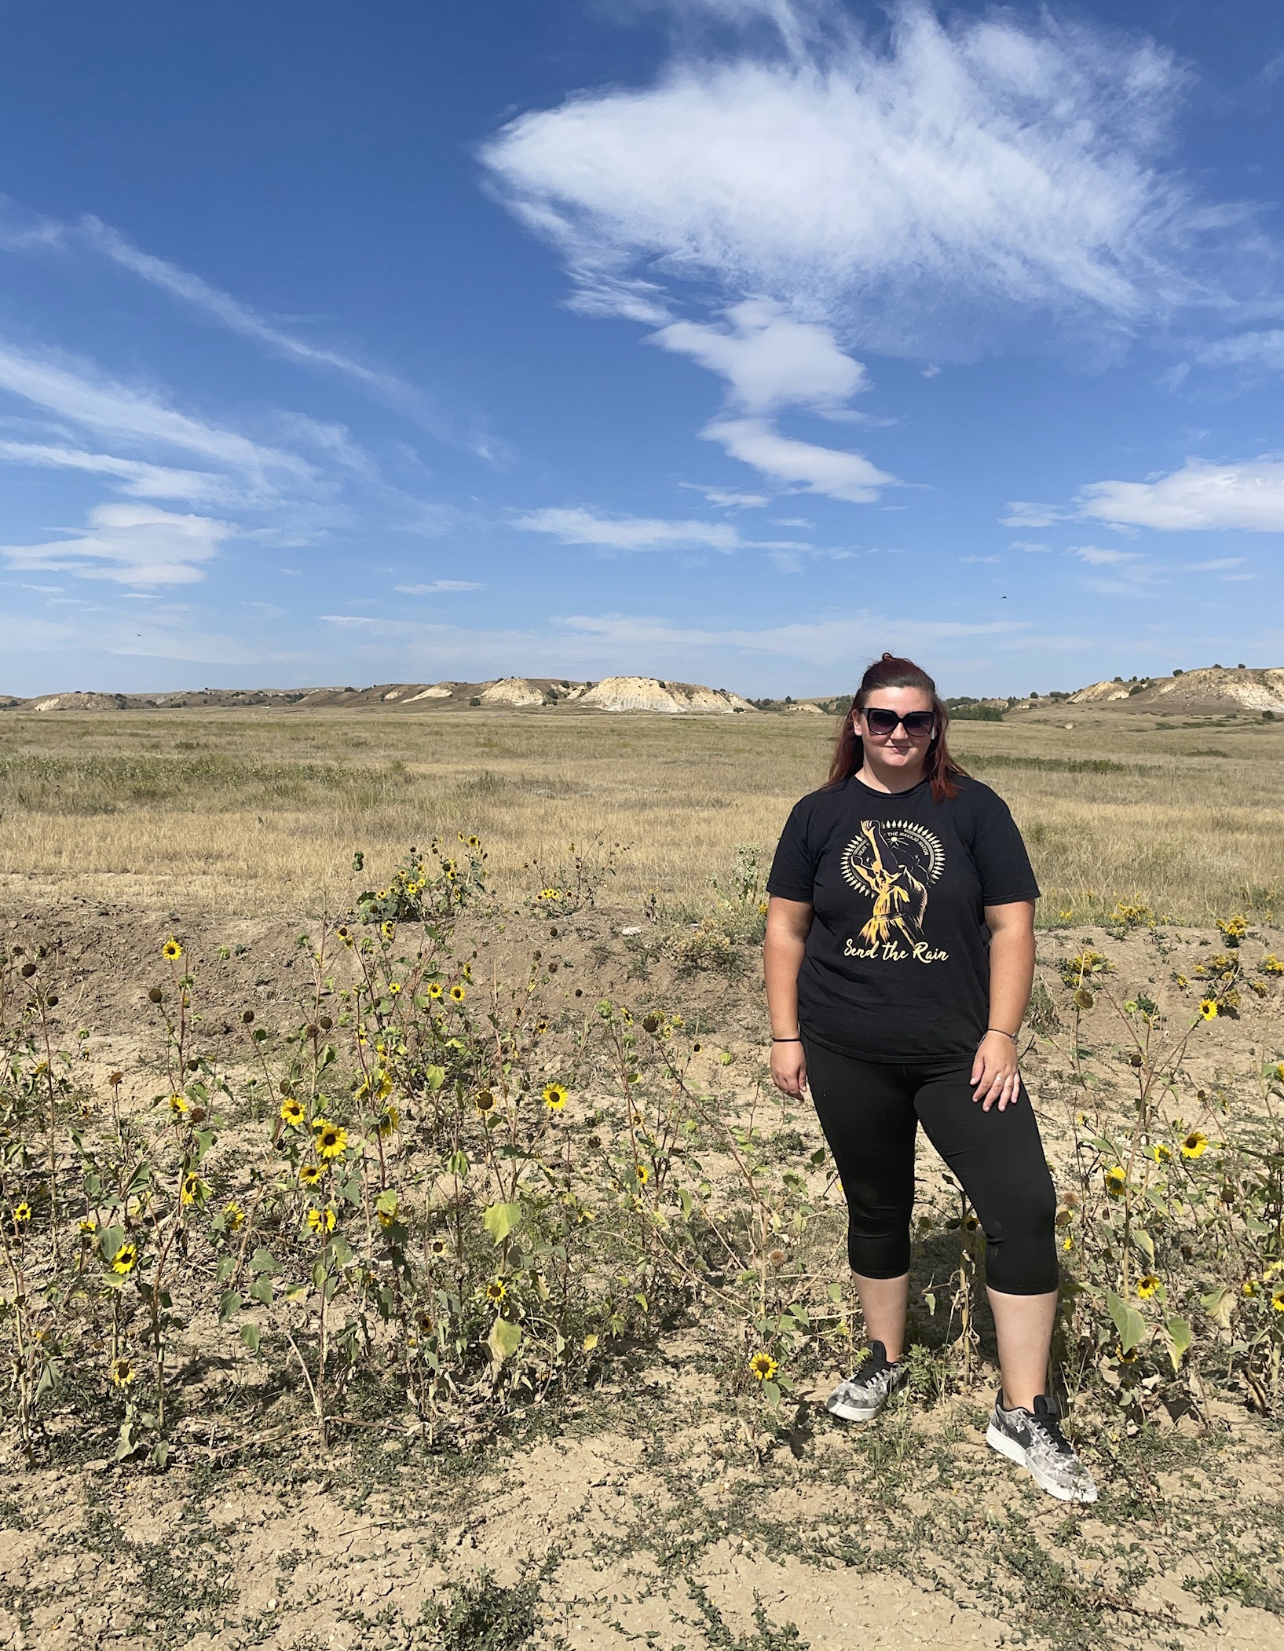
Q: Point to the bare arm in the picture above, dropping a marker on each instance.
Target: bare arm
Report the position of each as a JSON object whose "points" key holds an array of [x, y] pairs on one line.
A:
{"points": [[994, 1071], [788, 924]]}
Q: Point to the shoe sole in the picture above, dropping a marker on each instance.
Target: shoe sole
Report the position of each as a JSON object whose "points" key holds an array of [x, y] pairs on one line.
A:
{"points": [[851, 1413], [1016, 1453]]}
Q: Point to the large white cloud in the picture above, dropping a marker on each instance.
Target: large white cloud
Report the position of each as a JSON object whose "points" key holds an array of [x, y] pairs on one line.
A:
{"points": [[129, 544], [869, 187], [801, 464], [831, 192], [1198, 496]]}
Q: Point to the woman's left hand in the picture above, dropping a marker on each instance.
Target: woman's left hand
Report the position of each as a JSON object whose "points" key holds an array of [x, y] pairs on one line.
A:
{"points": [[994, 1072]]}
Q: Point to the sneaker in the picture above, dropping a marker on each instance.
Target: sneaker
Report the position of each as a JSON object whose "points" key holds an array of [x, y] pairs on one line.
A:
{"points": [[864, 1394], [1034, 1440]]}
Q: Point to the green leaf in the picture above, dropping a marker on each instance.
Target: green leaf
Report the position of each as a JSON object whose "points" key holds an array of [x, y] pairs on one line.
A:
{"points": [[263, 1261], [226, 1267], [340, 1250], [684, 1198], [229, 1303], [1145, 1244], [1179, 1339], [261, 1289], [434, 1076], [500, 1219], [457, 1163], [250, 1335], [1219, 1304], [504, 1339], [1128, 1321]]}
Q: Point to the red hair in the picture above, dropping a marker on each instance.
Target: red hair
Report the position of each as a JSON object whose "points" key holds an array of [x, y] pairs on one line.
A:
{"points": [[939, 766]]}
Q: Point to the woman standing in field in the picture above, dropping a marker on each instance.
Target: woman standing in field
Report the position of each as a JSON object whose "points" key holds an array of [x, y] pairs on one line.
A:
{"points": [[899, 960]]}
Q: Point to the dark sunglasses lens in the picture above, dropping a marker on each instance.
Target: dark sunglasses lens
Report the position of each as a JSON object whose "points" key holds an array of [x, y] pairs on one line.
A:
{"points": [[881, 722], [918, 722]]}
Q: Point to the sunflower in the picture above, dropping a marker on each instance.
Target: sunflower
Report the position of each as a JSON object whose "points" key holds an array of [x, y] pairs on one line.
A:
{"points": [[474, 841], [1147, 1286], [292, 1112], [484, 1101], [387, 930], [555, 1096], [439, 1246], [434, 991], [122, 1372], [233, 1217], [1208, 1008], [541, 1026], [1195, 1145], [762, 1367], [496, 1290], [125, 1259], [1130, 1357], [171, 950], [550, 894], [1250, 1288], [643, 1174], [177, 1106], [321, 1220], [1277, 1301], [21, 1212], [457, 993], [389, 1120], [1161, 1153], [388, 1215], [193, 1189], [88, 1228], [394, 987], [1116, 1180], [310, 1174], [332, 1141]]}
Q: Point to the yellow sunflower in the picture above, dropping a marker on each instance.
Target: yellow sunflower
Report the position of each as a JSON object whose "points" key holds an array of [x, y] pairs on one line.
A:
{"points": [[1147, 1286], [233, 1217], [434, 991], [309, 1175], [762, 1367], [321, 1220], [122, 1372], [1208, 1008], [1195, 1145], [496, 1290], [125, 1259], [332, 1141], [1277, 1301], [193, 1189], [1116, 1180], [643, 1174], [457, 994], [292, 1112], [22, 1212], [555, 1096], [172, 950], [484, 1101]]}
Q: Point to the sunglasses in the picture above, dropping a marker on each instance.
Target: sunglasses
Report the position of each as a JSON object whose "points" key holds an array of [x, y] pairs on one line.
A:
{"points": [[917, 724]]}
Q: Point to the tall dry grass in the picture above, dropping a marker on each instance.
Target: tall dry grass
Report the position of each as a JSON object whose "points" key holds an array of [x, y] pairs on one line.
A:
{"points": [[262, 810]]}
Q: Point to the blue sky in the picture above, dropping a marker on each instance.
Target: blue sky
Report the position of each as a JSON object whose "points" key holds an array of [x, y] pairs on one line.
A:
{"points": [[725, 340]]}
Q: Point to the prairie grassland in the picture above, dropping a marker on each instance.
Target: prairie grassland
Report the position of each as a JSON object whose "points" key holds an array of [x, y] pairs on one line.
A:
{"points": [[261, 811]]}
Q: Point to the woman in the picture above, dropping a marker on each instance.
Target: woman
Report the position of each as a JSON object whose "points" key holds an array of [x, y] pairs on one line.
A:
{"points": [[899, 959]]}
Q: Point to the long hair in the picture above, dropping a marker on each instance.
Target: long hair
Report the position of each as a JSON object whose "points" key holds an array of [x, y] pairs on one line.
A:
{"points": [[939, 766]]}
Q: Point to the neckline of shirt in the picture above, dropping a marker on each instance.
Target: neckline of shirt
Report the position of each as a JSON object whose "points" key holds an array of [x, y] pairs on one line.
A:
{"points": [[870, 790]]}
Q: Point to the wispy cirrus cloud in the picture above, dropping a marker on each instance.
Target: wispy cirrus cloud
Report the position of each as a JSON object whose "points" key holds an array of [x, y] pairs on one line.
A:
{"points": [[918, 195], [576, 525]]}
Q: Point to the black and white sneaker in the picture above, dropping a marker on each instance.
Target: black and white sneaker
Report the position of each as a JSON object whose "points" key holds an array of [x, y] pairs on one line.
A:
{"points": [[864, 1394], [1034, 1440]]}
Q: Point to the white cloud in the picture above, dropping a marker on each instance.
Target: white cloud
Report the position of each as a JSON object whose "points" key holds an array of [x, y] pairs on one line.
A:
{"points": [[1023, 514], [800, 464], [146, 481], [577, 526], [729, 497], [1099, 556], [990, 164], [129, 545], [987, 559], [769, 359], [73, 390], [1198, 496], [1250, 349], [1032, 547], [438, 587]]}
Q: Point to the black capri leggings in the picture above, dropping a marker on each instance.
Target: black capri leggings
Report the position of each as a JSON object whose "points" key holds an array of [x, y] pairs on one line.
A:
{"points": [[870, 1114]]}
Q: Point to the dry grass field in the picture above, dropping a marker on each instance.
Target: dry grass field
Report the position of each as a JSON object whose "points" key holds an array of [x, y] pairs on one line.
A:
{"points": [[261, 811], [485, 1372]]}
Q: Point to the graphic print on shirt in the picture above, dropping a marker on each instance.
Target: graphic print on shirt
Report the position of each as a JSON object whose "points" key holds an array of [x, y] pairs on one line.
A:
{"points": [[895, 863]]}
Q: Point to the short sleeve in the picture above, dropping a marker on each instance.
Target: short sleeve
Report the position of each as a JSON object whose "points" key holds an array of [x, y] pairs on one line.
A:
{"points": [[793, 871], [999, 853]]}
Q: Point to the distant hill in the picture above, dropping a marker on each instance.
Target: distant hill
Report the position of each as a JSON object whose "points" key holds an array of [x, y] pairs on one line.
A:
{"points": [[616, 693], [1213, 690]]}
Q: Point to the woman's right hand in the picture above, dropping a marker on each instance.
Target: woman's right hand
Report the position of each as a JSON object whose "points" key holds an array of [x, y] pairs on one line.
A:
{"points": [[789, 1068]]}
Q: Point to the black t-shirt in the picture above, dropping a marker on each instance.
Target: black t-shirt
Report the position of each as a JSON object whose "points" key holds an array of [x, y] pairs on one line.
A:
{"points": [[897, 963]]}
